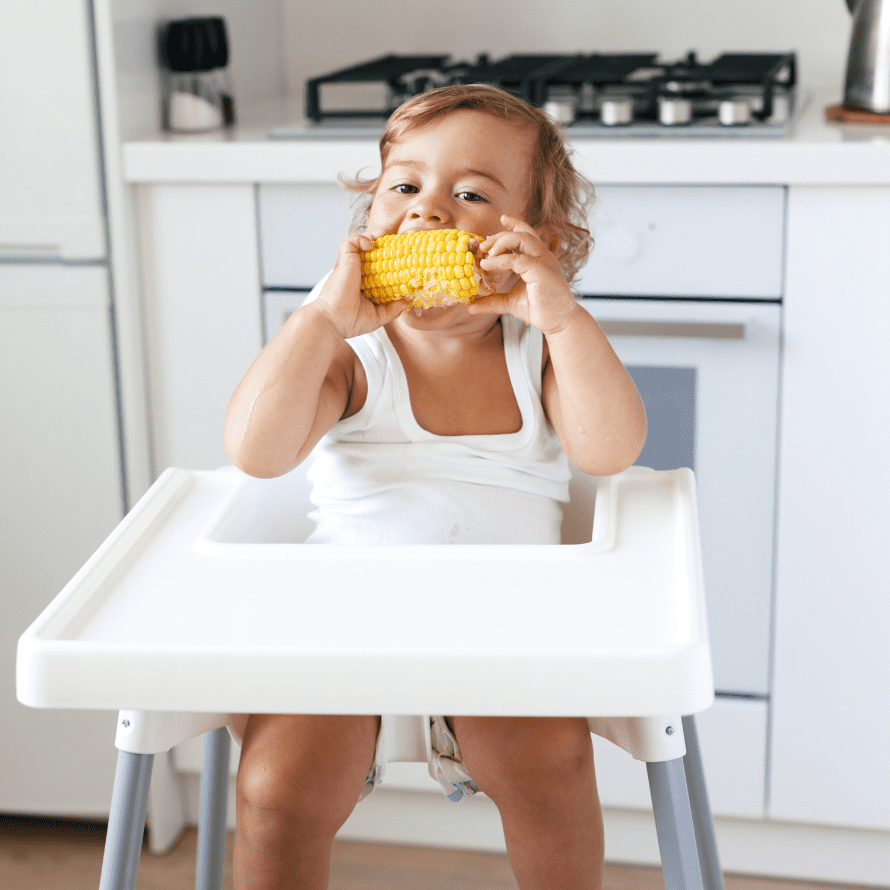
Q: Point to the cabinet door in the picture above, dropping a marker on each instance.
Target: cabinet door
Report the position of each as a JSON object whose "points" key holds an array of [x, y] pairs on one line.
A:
{"points": [[61, 495], [830, 732], [301, 227], [50, 199], [202, 310]]}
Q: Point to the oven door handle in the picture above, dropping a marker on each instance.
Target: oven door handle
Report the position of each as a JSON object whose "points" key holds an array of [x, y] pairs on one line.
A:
{"points": [[703, 330]]}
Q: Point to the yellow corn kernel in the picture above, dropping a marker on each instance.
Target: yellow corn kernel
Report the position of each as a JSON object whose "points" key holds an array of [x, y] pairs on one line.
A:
{"points": [[421, 268]]}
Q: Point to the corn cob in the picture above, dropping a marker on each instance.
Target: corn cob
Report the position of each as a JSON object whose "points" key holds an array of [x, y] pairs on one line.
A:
{"points": [[425, 269]]}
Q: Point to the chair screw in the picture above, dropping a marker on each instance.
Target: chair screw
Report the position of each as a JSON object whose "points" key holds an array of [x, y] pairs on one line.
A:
{"points": [[127, 723], [670, 730]]}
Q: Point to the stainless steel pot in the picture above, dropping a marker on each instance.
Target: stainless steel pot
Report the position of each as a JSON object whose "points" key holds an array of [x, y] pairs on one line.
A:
{"points": [[867, 84]]}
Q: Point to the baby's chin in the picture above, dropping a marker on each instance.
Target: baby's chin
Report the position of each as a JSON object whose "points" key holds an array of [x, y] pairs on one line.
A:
{"points": [[433, 315], [433, 312]]}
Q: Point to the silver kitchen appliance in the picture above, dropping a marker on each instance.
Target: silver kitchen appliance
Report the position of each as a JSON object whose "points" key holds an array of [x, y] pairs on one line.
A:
{"points": [[867, 82]]}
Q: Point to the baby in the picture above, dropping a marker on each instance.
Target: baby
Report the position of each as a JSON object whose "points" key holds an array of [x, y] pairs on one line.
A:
{"points": [[451, 425]]}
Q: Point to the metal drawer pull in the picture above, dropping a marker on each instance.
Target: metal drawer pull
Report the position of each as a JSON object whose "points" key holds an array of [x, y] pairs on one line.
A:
{"points": [[30, 252], [710, 330]]}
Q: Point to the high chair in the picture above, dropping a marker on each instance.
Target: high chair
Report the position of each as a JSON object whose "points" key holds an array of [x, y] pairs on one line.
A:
{"points": [[203, 604]]}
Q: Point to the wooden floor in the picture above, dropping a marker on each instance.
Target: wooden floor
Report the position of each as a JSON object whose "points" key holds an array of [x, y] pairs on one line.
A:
{"points": [[43, 854]]}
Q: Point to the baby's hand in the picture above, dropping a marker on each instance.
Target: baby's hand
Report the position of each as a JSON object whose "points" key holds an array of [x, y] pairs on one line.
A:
{"points": [[341, 299], [542, 296]]}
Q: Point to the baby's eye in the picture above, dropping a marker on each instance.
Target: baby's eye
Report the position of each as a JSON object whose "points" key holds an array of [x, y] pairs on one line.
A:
{"points": [[469, 196], [405, 188]]}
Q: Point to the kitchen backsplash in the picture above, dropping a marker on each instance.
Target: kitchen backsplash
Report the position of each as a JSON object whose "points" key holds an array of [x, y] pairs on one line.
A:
{"points": [[322, 37]]}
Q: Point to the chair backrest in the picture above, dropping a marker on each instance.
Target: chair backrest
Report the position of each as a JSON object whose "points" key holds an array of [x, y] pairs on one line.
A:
{"points": [[275, 511]]}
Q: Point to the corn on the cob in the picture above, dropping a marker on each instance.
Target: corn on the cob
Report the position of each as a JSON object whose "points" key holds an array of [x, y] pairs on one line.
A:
{"points": [[425, 269]]}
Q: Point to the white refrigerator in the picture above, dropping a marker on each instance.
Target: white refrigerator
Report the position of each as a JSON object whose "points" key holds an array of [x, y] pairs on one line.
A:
{"points": [[62, 486]]}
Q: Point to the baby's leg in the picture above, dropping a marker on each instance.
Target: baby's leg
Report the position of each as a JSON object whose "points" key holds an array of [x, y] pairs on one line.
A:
{"points": [[299, 779], [539, 772]]}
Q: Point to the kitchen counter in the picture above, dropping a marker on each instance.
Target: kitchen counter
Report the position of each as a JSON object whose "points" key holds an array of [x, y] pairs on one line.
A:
{"points": [[815, 153]]}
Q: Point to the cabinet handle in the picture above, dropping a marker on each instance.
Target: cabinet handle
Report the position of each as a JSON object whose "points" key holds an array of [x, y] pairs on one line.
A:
{"points": [[705, 330], [31, 252]]}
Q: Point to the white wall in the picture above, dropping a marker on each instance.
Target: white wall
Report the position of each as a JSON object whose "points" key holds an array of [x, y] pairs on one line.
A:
{"points": [[322, 37]]}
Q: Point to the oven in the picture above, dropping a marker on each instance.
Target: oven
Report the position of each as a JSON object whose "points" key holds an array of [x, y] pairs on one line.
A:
{"points": [[686, 281], [708, 374], [687, 284]]}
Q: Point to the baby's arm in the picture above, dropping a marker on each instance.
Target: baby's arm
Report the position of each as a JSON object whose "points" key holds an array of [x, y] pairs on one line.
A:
{"points": [[588, 395], [590, 398], [301, 384]]}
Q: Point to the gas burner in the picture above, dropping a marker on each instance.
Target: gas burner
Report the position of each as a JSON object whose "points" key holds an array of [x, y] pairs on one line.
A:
{"points": [[591, 93]]}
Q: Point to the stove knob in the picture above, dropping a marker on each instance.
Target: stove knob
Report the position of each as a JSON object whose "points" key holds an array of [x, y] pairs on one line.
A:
{"points": [[674, 112], [734, 112], [616, 112], [561, 110]]}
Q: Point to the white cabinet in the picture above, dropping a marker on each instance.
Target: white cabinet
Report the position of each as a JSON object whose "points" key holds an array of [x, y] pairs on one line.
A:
{"points": [[60, 487], [687, 241], [202, 314], [49, 171], [831, 725], [300, 229], [61, 481]]}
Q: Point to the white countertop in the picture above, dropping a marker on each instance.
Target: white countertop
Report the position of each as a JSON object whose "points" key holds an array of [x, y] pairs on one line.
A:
{"points": [[815, 153]]}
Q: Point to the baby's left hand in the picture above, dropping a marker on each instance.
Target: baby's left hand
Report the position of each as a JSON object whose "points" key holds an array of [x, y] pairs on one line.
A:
{"points": [[542, 296]]}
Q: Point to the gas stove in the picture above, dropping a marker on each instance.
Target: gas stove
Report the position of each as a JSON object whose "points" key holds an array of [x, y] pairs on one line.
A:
{"points": [[591, 94]]}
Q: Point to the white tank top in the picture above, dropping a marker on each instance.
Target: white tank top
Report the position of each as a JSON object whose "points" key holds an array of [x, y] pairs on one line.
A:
{"points": [[380, 478]]}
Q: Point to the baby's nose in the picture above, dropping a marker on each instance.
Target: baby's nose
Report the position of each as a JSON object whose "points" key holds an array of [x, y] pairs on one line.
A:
{"points": [[429, 208]]}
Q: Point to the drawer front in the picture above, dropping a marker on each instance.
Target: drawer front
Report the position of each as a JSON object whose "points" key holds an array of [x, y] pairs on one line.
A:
{"points": [[687, 241], [683, 241], [301, 227]]}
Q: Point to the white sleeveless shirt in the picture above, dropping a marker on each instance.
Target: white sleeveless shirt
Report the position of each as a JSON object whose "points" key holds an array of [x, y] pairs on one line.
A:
{"points": [[380, 478]]}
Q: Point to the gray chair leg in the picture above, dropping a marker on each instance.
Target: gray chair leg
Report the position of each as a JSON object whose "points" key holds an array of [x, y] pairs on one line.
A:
{"points": [[212, 818], [126, 821], [708, 857], [673, 823]]}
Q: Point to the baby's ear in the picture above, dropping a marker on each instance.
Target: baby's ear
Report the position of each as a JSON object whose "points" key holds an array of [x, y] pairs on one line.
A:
{"points": [[550, 235]]}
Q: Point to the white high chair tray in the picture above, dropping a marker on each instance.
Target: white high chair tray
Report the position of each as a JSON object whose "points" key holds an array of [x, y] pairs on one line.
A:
{"points": [[175, 612]]}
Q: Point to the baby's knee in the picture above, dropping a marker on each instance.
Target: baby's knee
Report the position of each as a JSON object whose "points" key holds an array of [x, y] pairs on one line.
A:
{"points": [[531, 758], [300, 779]]}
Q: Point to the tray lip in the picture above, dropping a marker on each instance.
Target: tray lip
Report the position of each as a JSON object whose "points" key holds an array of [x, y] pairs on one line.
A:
{"points": [[228, 694], [42, 654], [127, 535]]}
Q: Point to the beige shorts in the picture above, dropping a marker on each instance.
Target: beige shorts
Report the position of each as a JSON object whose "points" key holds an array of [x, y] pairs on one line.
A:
{"points": [[417, 738]]}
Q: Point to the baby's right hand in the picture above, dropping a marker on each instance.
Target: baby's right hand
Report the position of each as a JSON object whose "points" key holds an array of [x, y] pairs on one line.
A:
{"points": [[341, 299]]}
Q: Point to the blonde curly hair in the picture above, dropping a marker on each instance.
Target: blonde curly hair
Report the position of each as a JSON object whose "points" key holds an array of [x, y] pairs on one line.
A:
{"points": [[561, 197]]}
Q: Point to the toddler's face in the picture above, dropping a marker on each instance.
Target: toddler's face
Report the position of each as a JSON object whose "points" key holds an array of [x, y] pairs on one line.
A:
{"points": [[463, 171]]}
